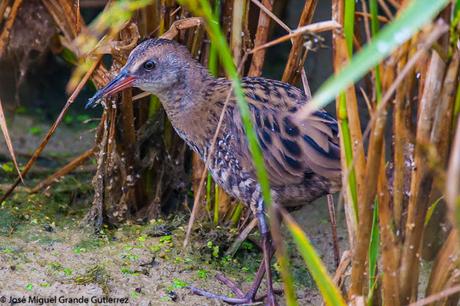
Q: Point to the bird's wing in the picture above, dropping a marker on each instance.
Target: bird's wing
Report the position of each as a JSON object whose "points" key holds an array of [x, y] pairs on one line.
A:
{"points": [[294, 148]]}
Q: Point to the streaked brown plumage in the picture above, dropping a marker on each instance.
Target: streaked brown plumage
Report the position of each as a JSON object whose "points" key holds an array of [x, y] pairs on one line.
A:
{"points": [[301, 154]]}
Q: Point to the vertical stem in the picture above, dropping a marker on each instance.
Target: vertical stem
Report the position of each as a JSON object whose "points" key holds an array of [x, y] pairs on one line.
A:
{"points": [[420, 182], [389, 246], [350, 181], [263, 27], [236, 42], [216, 204], [296, 58]]}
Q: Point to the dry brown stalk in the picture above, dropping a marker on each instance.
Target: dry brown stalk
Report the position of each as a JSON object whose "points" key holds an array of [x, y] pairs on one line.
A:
{"points": [[273, 16], [65, 16], [341, 58], [367, 197], [69, 167], [443, 118], [368, 16], [439, 296], [166, 7], [226, 18], [389, 246], [241, 237], [182, 24], [9, 143], [318, 27], [70, 30], [436, 32], [420, 181], [444, 269], [109, 46], [51, 131], [401, 132], [3, 6], [295, 59], [128, 144], [340, 272], [386, 9], [95, 215], [5, 34], [261, 37], [333, 222], [236, 40], [366, 20]]}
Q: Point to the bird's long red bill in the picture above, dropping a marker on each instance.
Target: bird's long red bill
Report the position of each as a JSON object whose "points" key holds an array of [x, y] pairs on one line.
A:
{"points": [[121, 81]]}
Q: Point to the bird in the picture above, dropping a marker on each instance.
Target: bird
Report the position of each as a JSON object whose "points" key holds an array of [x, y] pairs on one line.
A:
{"points": [[301, 155]]}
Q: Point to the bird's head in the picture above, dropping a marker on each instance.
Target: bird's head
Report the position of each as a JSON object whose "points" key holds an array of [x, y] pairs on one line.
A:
{"points": [[155, 66]]}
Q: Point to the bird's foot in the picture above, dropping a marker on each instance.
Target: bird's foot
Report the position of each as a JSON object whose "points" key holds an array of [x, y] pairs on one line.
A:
{"points": [[241, 298]]}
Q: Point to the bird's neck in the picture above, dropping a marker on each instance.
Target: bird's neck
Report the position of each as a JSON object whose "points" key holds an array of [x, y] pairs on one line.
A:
{"points": [[194, 107]]}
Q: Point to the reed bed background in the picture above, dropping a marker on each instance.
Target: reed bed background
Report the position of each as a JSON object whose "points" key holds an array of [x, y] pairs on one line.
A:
{"points": [[397, 99]]}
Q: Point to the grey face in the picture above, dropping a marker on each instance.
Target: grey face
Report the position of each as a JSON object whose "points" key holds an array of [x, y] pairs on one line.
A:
{"points": [[155, 74], [156, 66]]}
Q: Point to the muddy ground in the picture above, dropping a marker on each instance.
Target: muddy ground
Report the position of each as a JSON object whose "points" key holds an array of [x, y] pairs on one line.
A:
{"points": [[46, 251]]}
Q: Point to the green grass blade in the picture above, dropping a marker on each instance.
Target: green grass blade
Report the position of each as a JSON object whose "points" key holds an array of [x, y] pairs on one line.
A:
{"points": [[375, 235], [213, 63], [348, 148], [216, 204], [328, 289], [457, 103], [374, 29], [208, 192], [349, 24], [417, 14], [373, 252], [431, 210], [236, 215]]}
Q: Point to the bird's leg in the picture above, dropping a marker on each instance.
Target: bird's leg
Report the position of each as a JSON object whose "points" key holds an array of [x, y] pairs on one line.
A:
{"points": [[250, 295], [267, 252], [240, 297]]}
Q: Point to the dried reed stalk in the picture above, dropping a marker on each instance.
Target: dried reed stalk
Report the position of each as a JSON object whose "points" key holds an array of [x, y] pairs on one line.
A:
{"points": [[236, 41], [127, 143], [389, 246], [317, 27], [69, 167], [5, 34], [443, 119], [445, 269], [367, 197], [3, 6], [261, 37], [296, 57], [65, 16], [421, 180], [401, 131], [9, 143]]}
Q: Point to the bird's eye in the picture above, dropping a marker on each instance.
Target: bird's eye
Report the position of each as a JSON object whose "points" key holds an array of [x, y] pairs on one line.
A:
{"points": [[149, 65]]}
